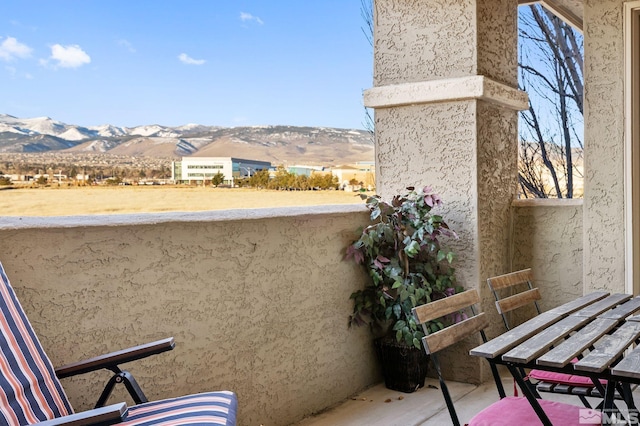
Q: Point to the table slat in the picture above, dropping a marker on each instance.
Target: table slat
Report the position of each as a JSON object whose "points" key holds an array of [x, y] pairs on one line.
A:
{"points": [[538, 344], [629, 366], [603, 305], [519, 334], [609, 348], [623, 310], [579, 303], [515, 336], [562, 354]]}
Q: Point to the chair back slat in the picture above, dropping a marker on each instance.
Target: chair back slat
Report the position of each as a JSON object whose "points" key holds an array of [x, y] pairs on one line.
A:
{"points": [[512, 291], [457, 305], [510, 279], [446, 306], [29, 389], [446, 337], [510, 303]]}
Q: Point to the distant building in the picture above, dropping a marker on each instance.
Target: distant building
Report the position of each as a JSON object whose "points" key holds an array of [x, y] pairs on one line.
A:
{"points": [[304, 170], [19, 178], [202, 169], [363, 173]]}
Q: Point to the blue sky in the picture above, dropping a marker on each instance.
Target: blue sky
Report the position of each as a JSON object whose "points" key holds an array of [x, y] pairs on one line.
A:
{"points": [[213, 62]]}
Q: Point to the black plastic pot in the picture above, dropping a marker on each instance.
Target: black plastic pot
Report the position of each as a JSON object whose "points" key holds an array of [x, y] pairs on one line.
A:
{"points": [[404, 368]]}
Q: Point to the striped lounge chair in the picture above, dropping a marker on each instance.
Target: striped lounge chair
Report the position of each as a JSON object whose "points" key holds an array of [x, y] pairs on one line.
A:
{"points": [[30, 390]]}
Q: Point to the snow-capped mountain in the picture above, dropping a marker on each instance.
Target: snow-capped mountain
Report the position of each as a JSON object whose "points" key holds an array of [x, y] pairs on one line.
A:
{"points": [[153, 130], [44, 126], [268, 143], [70, 132], [107, 130]]}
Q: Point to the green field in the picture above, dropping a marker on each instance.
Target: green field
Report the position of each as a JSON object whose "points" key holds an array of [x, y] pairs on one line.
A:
{"points": [[69, 201]]}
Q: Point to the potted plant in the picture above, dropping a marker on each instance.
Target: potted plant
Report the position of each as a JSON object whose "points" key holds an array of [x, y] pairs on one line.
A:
{"points": [[402, 253]]}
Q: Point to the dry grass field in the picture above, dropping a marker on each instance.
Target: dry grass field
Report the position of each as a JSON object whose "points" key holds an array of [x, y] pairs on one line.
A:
{"points": [[71, 201]]}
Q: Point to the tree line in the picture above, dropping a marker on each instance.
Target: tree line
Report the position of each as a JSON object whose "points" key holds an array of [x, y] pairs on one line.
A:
{"points": [[284, 180], [88, 174], [281, 180]]}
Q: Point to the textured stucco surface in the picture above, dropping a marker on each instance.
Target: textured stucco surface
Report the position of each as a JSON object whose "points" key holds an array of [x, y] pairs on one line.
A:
{"points": [[257, 306], [497, 40], [438, 149], [441, 138], [497, 187], [604, 228], [547, 238], [419, 40]]}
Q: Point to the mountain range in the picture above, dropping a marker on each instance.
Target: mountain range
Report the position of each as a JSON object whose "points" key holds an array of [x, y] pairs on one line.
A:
{"points": [[277, 144]]}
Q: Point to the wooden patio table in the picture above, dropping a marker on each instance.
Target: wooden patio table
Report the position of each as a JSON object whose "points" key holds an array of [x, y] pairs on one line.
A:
{"points": [[599, 322]]}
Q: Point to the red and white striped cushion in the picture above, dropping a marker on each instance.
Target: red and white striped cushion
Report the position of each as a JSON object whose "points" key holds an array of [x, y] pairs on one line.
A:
{"points": [[211, 408], [29, 389]]}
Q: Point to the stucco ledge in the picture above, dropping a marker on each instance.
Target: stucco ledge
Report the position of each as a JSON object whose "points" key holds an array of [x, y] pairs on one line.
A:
{"points": [[24, 222], [447, 90], [547, 202]]}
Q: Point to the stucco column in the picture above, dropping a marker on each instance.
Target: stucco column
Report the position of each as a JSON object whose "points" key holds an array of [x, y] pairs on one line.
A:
{"points": [[446, 104], [604, 232]]}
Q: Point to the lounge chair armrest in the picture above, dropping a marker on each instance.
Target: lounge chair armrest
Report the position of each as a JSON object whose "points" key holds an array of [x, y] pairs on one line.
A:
{"points": [[109, 415], [113, 359]]}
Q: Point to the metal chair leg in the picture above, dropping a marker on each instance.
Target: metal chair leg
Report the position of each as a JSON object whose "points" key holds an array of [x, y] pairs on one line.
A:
{"points": [[130, 384], [445, 392], [531, 396]]}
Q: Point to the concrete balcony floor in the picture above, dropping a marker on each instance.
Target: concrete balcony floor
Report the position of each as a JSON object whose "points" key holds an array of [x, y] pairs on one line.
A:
{"points": [[379, 406]]}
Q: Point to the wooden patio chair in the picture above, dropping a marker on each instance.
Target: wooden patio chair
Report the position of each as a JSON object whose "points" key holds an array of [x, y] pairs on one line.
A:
{"points": [[30, 390], [515, 292], [507, 410]]}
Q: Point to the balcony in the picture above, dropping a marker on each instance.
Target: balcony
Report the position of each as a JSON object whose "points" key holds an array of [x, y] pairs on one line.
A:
{"points": [[257, 300], [379, 406]]}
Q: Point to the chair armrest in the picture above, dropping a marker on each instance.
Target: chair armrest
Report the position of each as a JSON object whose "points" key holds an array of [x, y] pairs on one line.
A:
{"points": [[108, 415], [114, 358]]}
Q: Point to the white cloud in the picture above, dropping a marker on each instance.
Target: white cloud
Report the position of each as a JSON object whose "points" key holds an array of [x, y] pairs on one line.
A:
{"points": [[244, 17], [11, 49], [186, 59], [71, 56], [127, 45]]}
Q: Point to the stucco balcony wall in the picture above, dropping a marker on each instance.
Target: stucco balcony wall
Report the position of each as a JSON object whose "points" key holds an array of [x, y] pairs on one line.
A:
{"points": [[257, 302], [547, 237]]}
